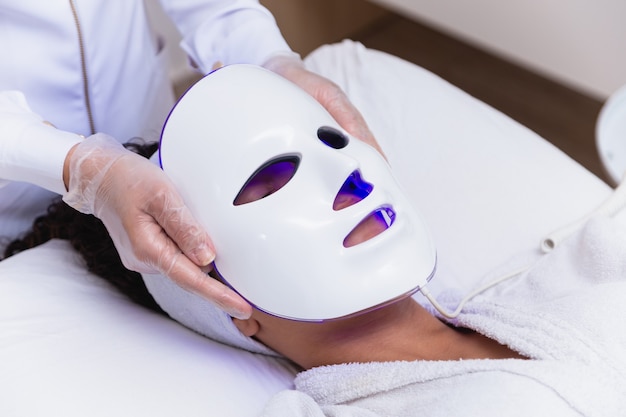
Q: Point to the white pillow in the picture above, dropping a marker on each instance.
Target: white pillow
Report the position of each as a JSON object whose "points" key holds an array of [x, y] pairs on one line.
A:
{"points": [[71, 345]]}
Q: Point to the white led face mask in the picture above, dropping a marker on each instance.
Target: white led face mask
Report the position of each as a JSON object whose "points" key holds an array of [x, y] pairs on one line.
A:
{"points": [[308, 223]]}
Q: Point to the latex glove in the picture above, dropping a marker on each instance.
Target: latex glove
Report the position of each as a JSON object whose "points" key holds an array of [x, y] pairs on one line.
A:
{"points": [[327, 93], [151, 227]]}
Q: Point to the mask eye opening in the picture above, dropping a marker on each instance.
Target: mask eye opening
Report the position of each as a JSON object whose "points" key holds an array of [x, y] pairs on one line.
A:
{"points": [[267, 179], [332, 137]]}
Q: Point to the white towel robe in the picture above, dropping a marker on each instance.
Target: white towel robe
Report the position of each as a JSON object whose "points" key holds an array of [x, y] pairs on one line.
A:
{"points": [[41, 79], [567, 314]]}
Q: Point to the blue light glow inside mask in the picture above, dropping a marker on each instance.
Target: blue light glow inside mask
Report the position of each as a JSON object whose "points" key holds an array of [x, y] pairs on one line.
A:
{"points": [[308, 223]]}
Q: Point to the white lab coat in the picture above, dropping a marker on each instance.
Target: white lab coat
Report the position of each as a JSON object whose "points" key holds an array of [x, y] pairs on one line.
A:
{"points": [[42, 79]]}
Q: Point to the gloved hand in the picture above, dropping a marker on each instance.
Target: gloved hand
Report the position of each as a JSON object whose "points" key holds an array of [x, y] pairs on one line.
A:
{"points": [[151, 227], [326, 93]]}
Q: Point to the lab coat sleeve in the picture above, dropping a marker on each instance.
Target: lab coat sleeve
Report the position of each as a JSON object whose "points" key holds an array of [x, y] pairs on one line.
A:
{"points": [[31, 150], [226, 31]]}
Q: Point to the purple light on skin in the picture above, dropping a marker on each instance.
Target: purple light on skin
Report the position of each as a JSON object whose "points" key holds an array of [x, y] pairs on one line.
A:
{"points": [[353, 190], [386, 216], [268, 179], [371, 226]]}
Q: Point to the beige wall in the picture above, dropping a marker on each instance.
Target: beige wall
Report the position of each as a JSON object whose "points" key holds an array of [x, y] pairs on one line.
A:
{"points": [[307, 24], [581, 43]]}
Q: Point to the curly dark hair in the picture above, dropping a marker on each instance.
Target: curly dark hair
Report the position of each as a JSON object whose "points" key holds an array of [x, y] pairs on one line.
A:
{"points": [[90, 238]]}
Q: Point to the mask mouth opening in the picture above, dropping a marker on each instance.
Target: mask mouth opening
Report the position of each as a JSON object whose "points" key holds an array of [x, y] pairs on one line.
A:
{"points": [[371, 226]]}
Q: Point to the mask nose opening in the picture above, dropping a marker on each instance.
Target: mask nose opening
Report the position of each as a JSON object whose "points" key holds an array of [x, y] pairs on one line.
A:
{"points": [[353, 190], [371, 226]]}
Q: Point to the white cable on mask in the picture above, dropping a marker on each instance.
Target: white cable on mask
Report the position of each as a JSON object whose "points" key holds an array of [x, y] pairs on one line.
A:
{"points": [[451, 315]]}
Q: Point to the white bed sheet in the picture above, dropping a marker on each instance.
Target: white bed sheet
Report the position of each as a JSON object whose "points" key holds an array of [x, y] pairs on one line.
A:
{"points": [[489, 188]]}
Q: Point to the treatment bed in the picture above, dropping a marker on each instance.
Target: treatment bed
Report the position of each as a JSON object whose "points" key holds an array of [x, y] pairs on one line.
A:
{"points": [[489, 189]]}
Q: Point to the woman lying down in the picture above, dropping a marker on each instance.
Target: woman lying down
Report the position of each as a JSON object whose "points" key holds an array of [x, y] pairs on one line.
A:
{"points": [[286, 212]]}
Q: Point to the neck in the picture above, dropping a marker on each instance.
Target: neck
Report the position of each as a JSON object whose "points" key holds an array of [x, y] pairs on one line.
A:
{"points": [[401, 331]]}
